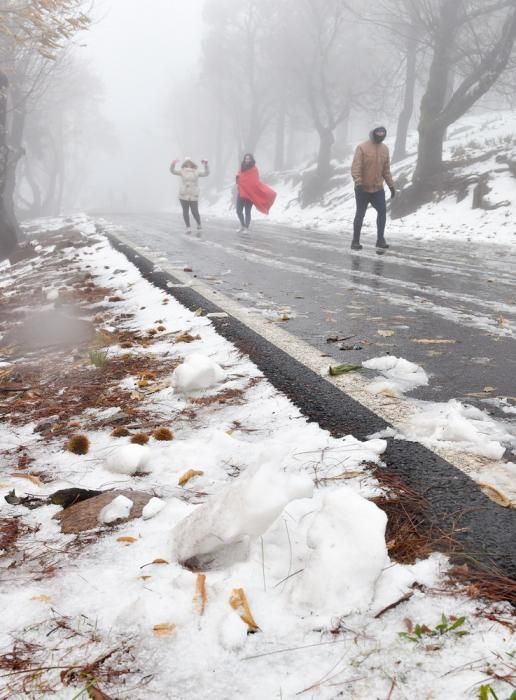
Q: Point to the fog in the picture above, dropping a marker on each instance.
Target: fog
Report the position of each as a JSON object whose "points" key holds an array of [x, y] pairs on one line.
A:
{"points": [[140, 51], [97, 115]]}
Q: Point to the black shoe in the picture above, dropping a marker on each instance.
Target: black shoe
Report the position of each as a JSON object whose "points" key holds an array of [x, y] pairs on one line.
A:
{"points": [[382, 244], [356, 246]]}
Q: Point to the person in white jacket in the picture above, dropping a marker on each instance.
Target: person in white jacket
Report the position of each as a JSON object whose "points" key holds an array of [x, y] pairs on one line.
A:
{"points": [[189, 188]]}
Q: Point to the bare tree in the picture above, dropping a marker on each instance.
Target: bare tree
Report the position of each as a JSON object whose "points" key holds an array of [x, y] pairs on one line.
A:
{"points": [[476, 39], [31, 32]]}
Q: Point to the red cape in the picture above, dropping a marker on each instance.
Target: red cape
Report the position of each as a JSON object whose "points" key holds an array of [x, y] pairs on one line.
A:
{"points": [[251, 187]]}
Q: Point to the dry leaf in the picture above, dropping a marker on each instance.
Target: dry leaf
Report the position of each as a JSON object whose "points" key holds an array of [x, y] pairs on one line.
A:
{"points": [[200, 597], [186, 337], [156, 561], [126, 539], [34, 479], [495, 495], [144, 578], [137, 396], [95, 693], [42, 598], [385, 334], [199, 312], [238, 602], [433, 341], [164, 629], [158, 387], [185, 478], [389, 392]]}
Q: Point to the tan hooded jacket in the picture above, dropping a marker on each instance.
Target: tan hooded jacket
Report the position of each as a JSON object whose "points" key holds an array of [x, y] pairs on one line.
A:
{"points": [[371, 166]]}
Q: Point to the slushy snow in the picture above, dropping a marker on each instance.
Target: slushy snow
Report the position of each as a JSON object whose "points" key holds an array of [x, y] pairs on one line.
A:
{"points": [[239, 513], [128, 459], [153, 507], [400, 375], [459, 426], [119, 509], [348, 554], [197, 373]]}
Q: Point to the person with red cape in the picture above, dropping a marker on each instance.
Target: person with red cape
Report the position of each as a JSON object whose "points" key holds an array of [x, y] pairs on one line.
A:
{"points": [[251, 191]]}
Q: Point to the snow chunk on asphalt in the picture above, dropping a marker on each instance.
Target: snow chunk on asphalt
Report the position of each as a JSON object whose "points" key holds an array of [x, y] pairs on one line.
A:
{"points": [[221, 529], [459, 426], [128, 459], [118, 509], [153, 507], [400, 375], [347, 539], [197, 372]]}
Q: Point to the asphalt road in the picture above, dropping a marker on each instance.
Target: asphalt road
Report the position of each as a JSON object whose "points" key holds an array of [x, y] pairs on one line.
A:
{"points": [[405, 302], [482, 532]]}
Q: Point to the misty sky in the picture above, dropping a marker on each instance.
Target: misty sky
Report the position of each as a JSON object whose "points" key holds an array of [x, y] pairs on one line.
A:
{"points": [[140, 49]]}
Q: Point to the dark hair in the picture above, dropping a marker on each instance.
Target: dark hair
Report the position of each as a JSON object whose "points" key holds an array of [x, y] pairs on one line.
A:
{"points": [[188, 163], [251, 164]]}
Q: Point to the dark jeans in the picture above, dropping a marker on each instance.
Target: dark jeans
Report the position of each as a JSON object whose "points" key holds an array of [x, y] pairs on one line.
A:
{"points": [[377, 201], [194, 207], [242, 205]]}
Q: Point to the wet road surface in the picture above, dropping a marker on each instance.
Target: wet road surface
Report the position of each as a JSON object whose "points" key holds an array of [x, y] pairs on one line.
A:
{"points": [[447, 306]]}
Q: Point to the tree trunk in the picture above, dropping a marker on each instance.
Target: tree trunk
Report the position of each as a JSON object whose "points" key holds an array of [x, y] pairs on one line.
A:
{"points": [[431, 131], [8, 229], [291, 149], [279, 146], [400, 147], [219, 149], [326, 141], [16, 152]]}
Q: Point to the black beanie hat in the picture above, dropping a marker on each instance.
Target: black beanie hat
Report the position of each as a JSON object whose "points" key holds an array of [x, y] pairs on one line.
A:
{"points": [[375, 130]]}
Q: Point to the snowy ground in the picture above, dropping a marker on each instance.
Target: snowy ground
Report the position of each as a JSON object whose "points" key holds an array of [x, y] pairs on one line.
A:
{"points": [[471, 137], [276, 509]]}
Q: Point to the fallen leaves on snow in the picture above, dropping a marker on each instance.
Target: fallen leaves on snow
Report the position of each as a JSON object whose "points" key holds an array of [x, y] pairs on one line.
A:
{"points": [[238, 602], [190, 474]]}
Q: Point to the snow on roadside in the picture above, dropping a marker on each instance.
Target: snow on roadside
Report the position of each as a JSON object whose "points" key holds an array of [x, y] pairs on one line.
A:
{"points": [[453, 426], [473, 136], [313, 564]]}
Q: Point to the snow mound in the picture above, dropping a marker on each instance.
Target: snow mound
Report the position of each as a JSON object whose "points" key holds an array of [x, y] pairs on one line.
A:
{"points": [[118, 509], [400, 375], [153, 507], [128, 459], [197, 372], [52, 295], [347, 539], [221, 529], [459, 426]]}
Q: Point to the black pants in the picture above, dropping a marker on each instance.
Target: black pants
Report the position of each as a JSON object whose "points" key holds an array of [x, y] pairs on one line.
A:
{"points": [[377, 201], [242, 205], [194, 207]]}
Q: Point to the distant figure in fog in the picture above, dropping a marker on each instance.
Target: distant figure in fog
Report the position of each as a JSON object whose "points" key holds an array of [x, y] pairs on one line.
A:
{"points": [[370, 168], [189, 189], [250, 190]]}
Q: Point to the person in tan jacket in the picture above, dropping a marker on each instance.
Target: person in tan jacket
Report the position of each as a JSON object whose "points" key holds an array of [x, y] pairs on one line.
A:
{"points": [[370, 169]]}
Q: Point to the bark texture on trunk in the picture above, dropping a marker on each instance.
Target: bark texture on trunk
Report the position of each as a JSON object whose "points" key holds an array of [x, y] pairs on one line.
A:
{"points": [[8, 228]]}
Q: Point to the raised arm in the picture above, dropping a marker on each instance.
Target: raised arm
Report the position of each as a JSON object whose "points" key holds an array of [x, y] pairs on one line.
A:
{"points": [[173, 168], [206, 169]]}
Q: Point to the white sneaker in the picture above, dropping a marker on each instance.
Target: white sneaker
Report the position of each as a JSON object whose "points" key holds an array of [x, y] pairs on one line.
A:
{"points": [[241, 229], [188, 230]]}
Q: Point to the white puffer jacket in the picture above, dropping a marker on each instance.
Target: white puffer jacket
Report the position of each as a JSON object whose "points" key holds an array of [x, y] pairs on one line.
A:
{"points": [[189, 185]]}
